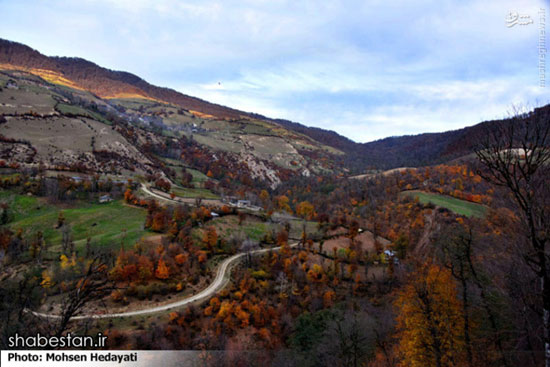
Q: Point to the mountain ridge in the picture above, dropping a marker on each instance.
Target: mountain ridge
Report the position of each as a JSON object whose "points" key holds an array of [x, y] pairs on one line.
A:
{"points": [[89, 76], [391, 152]]}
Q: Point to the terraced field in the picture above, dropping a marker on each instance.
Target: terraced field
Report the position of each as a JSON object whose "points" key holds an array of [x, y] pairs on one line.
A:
{"points": [[25, 98], [77, 110]]}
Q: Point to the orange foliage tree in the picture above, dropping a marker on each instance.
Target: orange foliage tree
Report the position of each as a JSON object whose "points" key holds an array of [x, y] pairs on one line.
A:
{"points": [[159, 222], [305, 210], [429, 320], [282, 203], [210, 238], [162, 271], [128, 196]]}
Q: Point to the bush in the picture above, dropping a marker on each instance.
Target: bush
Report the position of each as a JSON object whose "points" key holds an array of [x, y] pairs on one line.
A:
{"points": [[260, 274]]}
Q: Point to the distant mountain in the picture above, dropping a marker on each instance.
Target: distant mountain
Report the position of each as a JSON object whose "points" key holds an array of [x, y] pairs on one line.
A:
{"points": [[391, 152], [150, 127], [405, 151], [105, 83], [433, 148]]}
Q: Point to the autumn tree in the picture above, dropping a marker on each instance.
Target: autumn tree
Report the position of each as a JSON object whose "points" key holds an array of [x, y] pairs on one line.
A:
{"points": [[429, 319], [128, 196], [283, 203], [305, 210], [162, 272], [159, 222], [163, 184], [210, 238], [186, 178]]}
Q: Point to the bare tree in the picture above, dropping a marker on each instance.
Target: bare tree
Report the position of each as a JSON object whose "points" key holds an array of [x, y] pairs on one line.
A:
{"points": [[516, 156], [67, 245], [17, 295], [247, 246], [349, 340], [282, 283], [88, 247], [457, 249], [94, 284]]}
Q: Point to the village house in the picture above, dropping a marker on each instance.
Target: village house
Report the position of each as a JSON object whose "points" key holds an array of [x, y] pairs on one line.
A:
{"points": [[105, 199]]}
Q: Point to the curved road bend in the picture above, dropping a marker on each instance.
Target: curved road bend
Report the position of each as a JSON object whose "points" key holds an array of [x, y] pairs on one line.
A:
{"points": [[218, 284]]}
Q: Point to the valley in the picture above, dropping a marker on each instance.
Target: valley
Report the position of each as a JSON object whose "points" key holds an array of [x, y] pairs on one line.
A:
{"points": [[168, 222]]}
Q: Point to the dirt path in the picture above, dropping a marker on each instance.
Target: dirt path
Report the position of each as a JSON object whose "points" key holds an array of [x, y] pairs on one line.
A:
{"points": [[221, 280], [178, 199], [384, 173]]}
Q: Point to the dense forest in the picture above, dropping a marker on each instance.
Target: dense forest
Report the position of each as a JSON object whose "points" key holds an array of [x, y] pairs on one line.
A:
{"points": [[362, 272], [409, 150]]}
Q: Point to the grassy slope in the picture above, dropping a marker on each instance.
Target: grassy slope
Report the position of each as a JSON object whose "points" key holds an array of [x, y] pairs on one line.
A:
{"points": [[254, 228], [228, 225], [110, 219], [458, 206], [198, 180], [193, 193], [198, 177], [77, 110]]}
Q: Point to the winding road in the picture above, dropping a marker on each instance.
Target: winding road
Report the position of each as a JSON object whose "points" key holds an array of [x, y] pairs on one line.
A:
{"points": [[219, 282], [149, 192]]}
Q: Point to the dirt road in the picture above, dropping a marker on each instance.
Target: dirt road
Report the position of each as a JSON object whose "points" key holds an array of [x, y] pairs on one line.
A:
{"points": [[177, 199], [222, 277]]}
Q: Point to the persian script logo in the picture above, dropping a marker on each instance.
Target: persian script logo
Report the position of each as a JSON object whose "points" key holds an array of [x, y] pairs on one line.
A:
{"points": [[514, 18]]}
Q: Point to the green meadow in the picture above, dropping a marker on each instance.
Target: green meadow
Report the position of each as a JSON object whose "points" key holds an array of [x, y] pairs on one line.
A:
{"points": [[458, 206], [106, 224]]}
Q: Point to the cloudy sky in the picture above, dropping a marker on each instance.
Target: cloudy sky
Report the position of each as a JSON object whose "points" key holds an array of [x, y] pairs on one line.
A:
{"points": [[364, 68]]}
